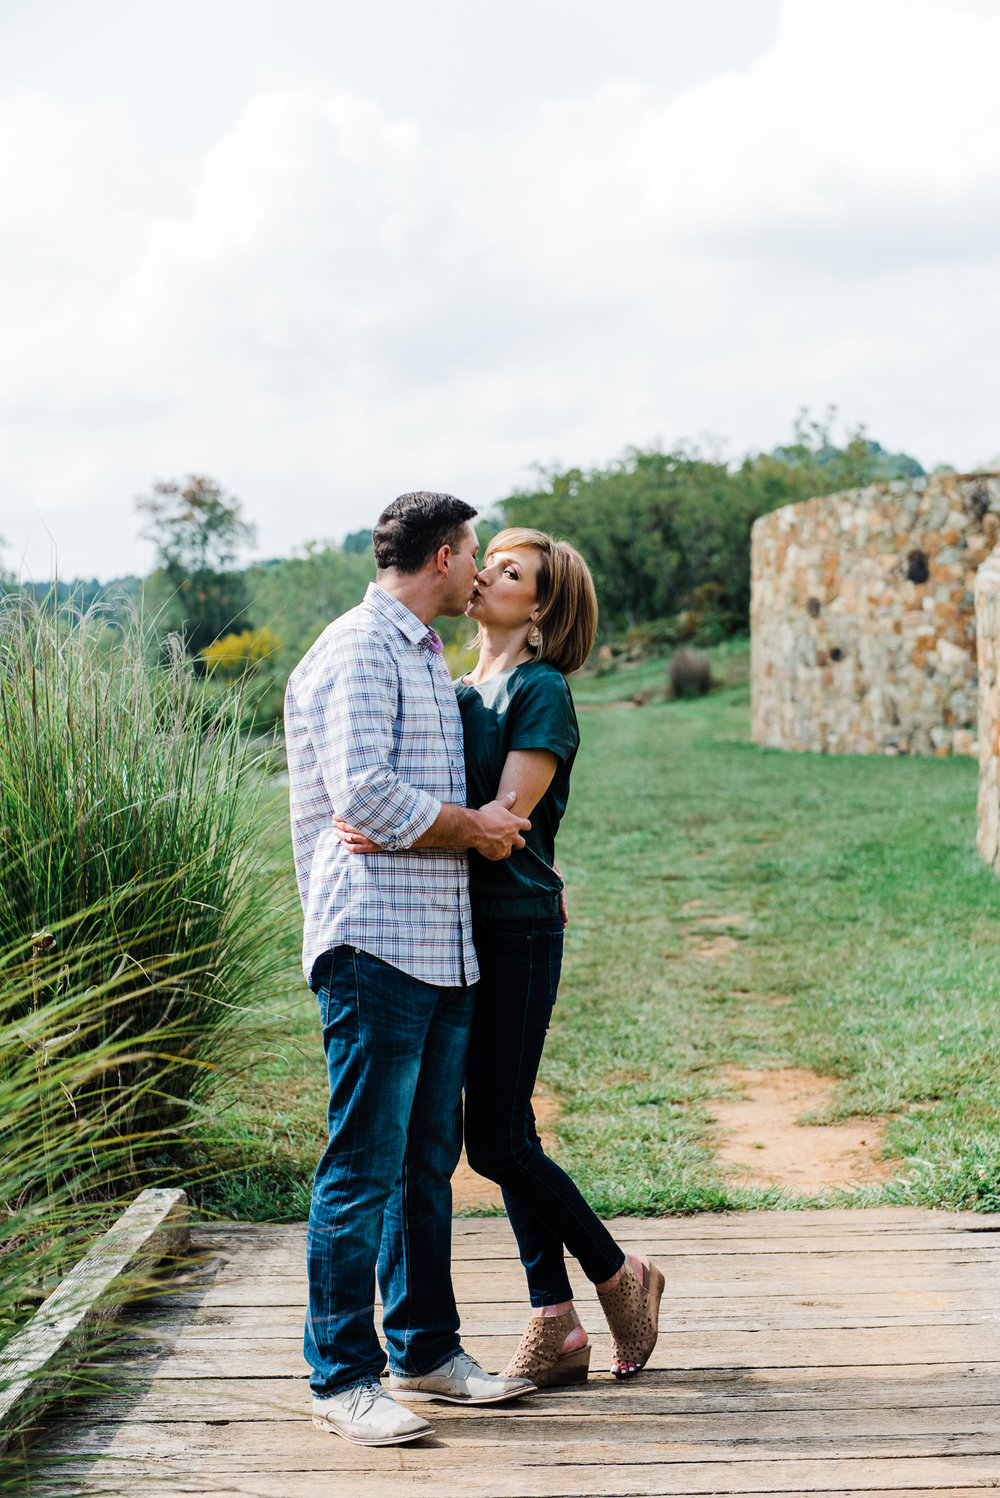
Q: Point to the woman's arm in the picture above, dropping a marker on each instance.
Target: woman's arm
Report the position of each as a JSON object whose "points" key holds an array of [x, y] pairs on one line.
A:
{"points": [[529, 772]]}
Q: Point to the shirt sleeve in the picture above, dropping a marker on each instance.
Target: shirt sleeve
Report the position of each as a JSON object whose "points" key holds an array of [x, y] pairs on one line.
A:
{"points": [[355, 708], [543, 714]]}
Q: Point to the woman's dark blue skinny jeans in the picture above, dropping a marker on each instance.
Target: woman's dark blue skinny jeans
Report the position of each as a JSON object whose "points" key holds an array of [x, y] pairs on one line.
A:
{"points": [[519, 964]]}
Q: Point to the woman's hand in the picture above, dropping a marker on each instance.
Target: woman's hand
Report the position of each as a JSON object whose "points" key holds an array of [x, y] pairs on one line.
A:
{"points": [[353, 840], [563, 903]]}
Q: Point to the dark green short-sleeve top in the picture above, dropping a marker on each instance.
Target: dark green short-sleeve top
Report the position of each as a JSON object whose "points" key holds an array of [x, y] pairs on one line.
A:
{"points": [[526, 707]]}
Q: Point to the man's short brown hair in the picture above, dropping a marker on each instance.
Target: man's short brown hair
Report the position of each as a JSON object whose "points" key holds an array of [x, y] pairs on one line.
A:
{"points": [[415, 526]]}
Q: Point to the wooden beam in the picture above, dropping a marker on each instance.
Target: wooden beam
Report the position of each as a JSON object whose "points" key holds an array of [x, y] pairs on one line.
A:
{"points": [[38, 1361]]}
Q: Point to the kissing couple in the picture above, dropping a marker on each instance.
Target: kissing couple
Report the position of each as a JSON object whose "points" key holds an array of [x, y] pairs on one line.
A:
{"points": [[424, 815]]}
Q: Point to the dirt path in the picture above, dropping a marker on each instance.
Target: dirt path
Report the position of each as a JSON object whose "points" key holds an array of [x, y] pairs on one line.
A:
{"points": [[760, 1131]]}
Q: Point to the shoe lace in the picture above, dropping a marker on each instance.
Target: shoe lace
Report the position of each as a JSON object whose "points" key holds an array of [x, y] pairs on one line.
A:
{"points": [[365, 1397], [465, 1364]]}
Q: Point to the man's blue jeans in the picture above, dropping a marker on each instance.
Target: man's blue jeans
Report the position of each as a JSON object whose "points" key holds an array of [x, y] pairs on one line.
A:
{"points": [[395, 1050]]}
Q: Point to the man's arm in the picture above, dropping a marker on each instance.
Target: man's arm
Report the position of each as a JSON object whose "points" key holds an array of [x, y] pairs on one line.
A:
{"points": [[493, 830], [526, 776]]}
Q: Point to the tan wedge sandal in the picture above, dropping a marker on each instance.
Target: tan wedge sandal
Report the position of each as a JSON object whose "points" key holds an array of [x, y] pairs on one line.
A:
{"points": [[632, 1310], [540, 1357]]}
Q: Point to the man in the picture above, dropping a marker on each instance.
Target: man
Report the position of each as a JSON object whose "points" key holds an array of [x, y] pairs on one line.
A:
{"points": [[374, 736]]}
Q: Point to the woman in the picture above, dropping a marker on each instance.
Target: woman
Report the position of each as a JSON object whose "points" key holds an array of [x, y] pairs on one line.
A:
{"points": [[536, 612], [535, 606]]}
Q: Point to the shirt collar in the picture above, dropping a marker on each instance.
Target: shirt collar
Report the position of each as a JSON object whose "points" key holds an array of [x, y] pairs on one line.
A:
{"points": [[415, 630]]}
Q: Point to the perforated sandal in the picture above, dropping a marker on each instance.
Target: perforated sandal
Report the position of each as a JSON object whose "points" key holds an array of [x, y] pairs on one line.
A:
{"points": [[540, 1357], [632, 1310]]}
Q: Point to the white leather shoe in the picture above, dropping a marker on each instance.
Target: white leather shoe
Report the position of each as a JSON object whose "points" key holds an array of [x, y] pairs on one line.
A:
{"points": [[368, 1416], [460, 1380]]}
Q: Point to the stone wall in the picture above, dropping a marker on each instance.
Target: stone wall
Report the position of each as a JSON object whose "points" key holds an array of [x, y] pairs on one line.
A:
{"points": [[863, 617], [988, 645]]}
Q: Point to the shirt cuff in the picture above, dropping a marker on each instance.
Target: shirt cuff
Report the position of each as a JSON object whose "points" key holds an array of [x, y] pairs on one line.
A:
{"points": [[424, 812]]}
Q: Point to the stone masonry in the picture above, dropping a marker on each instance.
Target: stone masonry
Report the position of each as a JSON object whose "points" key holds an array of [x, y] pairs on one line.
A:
{"points": [[863, 617], [988, 638]]}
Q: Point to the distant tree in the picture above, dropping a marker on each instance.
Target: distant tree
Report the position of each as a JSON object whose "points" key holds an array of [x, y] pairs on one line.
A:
{"points": [[7, 579], [860, 461], [357, 543], [298, 596], [199, 531], [195, 524], [896, 465]]}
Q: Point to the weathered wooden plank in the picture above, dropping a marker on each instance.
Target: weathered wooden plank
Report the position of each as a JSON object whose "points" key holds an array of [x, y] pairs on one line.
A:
{"points": [[950, 1284], [939, 1276], [220, 1322], [726, 1391], [39, 1360], [786, 1274], [863, 1220], [821, 1220], [528, 1436], [398, 1472], [713, 1269], [195, 1355], [912, 1241], [376, 1484], [268, 1246]]}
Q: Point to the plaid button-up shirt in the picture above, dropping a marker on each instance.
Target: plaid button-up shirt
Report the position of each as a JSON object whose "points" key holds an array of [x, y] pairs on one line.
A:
{"points": [[373, 733]]}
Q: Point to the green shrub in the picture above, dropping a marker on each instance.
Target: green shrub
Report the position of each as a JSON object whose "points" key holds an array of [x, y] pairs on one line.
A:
{"points": [[690, 673], [239, 655]]}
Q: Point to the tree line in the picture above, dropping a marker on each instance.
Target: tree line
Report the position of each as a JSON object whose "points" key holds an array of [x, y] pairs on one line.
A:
{"points": [[666, 533]]}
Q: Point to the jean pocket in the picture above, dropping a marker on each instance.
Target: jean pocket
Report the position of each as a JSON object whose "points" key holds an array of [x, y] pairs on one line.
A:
{"points": [[334, 982]]}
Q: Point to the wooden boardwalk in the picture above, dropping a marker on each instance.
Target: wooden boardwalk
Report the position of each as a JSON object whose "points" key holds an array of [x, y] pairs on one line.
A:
{"points": [[822, 1353]]}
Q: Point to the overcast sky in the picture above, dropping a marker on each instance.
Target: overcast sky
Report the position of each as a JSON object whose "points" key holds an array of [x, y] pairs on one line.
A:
{"points": [[325, 252]]}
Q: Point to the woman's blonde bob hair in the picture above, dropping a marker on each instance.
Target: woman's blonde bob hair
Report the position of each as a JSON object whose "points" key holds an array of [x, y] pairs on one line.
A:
{"points": [[567, 602]]}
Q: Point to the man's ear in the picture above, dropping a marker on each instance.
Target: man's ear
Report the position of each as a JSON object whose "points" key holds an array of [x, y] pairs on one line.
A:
{"points": [[442, 559]]}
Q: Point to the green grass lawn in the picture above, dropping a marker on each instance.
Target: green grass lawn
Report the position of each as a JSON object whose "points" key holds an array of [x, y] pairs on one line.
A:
{"points": [[851, 892]]}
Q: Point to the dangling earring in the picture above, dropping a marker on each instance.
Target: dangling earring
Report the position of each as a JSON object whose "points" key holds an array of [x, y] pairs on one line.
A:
{"points": [[534, 637]]}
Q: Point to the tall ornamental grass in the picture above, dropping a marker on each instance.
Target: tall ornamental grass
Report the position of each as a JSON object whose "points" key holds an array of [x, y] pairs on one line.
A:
{"points": [[135, 911], [68, 1152]]}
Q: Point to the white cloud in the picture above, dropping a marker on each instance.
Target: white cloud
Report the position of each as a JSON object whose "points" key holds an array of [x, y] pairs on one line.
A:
{"points": [[327, 309]]}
